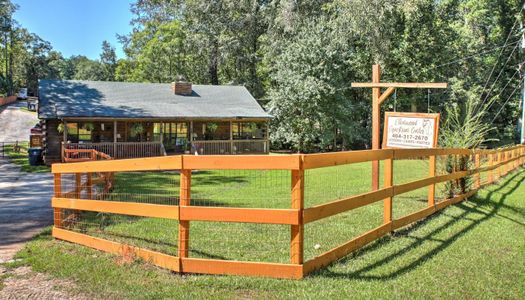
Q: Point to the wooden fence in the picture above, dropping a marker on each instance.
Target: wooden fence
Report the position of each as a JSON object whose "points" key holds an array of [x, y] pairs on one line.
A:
{"points": [[496, 164], [120, 150], [7, 100]]}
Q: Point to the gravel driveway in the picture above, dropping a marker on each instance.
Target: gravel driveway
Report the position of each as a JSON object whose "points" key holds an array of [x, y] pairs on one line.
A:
{"points": [[25, 206], [25, 209], [15, 123]]}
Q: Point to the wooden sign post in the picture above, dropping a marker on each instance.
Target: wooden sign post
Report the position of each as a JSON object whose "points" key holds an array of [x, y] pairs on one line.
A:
{"points": [[377, 99]]}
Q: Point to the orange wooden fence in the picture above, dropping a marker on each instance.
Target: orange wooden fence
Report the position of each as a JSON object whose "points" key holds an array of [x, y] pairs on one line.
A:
{"points": [[499, 162]]}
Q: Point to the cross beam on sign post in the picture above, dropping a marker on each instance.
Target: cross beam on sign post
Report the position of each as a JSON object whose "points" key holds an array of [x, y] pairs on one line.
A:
{"points": [[377, 99]]}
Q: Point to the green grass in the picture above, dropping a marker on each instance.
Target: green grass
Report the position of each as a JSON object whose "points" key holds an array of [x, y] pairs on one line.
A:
{"points": [[255, 189], [21, 159], [475, 249]]}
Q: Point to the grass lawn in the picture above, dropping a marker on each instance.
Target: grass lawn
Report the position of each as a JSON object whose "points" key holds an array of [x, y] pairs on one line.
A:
{"points": [[475, 249], [21, 158]]}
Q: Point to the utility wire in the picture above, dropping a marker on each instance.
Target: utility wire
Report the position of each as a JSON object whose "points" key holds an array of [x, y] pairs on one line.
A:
{"points": [[497, 60], [508, 82], [496, 80], [503, 106], [474, 55]]}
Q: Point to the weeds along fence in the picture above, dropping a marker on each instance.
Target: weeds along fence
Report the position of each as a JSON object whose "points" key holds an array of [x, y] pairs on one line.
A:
{"points": [[280, 216]]}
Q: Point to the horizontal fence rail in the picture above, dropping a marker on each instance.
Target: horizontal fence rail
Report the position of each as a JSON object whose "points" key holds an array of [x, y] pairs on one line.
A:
{"points": [[199, 195], [230, 147], [119, 150]]}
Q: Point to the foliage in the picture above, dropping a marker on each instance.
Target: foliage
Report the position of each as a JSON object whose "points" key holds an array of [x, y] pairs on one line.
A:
{"points": [[298, 58], [464, 127], [108, 60], [136, 129]]}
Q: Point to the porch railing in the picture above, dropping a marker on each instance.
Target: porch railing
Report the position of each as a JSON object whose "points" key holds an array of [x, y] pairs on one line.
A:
{"points": [[230, 147], [121, 150]]}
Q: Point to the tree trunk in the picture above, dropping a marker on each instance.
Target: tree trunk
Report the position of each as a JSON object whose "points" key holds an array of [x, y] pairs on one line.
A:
{"points": [[213, 64]]}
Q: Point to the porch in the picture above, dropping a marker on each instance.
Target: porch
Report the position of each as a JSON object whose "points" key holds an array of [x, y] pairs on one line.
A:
{"points": [[122, 139]]}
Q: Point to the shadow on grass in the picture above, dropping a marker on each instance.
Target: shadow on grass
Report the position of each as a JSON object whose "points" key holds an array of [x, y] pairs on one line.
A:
{"points": [[467, 211]]}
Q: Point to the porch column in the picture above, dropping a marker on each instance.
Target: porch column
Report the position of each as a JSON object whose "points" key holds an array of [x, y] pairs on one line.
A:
{"points": [[231, 138], [161, 138], [64, 140], [115, 132], [267, 139], [191, 137]]}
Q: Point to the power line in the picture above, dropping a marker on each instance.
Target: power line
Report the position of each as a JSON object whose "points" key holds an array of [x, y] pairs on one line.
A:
{"points": [[474, 55], [497, 60], [501, 109], [508, 82], [496, 80]]}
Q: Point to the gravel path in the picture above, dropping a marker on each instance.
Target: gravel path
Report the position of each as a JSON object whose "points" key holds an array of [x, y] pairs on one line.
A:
{"points": [[15, 123], [25, 209], [25, 206]]}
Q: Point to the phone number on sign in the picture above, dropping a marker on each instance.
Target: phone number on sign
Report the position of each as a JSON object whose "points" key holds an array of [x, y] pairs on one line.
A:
{"points": [[410, 137]]}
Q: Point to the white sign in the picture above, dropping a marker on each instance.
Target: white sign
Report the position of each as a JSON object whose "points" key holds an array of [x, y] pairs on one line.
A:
{"points": [[410, 130]]}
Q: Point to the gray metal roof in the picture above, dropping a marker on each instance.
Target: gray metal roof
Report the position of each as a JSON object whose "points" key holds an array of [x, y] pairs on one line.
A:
{"points": [[99, 99]]}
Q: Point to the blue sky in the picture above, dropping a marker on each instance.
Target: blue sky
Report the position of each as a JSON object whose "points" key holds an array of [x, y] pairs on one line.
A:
{"points": [[76, 26]]}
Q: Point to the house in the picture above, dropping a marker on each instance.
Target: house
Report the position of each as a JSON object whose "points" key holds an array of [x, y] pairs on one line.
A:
{"points": [[128, 120]]}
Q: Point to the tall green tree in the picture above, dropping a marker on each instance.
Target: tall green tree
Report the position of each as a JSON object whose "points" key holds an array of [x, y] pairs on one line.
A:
{"points": [[108, 60]]}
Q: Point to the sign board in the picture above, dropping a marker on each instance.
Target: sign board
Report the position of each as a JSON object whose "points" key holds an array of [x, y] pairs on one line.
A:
{"points": [[410, 130]]}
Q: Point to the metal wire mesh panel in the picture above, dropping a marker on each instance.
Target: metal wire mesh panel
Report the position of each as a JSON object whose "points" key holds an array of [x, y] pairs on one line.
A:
{"points": [[448, 164], [146, 187], [407, 170], [149, 233], [240, 241], [327, 184], [241, 188], [328, 233], [409, 202], [140, 187]]}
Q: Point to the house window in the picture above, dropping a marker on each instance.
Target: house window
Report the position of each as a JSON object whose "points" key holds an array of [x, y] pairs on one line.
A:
{"points": [[79, 132], [248, 130]]}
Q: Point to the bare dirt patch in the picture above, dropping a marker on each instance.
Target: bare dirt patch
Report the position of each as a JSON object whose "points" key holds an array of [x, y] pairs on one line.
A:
{"points": [[22, 283]]}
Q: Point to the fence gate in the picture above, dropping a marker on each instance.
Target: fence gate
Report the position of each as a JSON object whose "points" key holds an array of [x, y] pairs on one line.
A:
{"points": [[5, 146]]}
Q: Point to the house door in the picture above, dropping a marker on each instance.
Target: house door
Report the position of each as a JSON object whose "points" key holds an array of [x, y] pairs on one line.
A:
{"points": [[175, 137]]}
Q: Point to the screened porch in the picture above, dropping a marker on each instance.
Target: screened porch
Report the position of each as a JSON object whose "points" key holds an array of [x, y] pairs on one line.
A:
{"points": [[145, 138]]}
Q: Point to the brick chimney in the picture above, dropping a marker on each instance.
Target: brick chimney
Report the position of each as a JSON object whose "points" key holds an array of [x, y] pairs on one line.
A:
{"points": [[181, 87]]}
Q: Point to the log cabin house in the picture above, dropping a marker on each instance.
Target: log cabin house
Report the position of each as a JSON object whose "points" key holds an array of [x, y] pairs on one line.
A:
{"points": [[129, 120]]}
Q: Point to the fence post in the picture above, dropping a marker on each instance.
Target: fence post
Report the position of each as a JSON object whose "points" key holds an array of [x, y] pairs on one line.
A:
{"points": [[477, 164], [78, 185], [499, 160], [490, 173], [388, 182], [89, 186], [506, 162], [297, 231], [184, 226], [57, 193], [432, 187]]}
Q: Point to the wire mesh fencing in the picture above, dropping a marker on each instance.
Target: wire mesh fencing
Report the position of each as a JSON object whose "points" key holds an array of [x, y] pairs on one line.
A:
{"points": [[276, 216]]}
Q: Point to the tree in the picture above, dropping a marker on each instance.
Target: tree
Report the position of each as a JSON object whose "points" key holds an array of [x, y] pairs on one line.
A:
{"points": [[108, 60], [311, 109], [300, 57]]}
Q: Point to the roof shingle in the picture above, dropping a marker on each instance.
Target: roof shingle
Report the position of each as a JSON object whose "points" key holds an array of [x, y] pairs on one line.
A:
{"points": [[100, 99]]}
